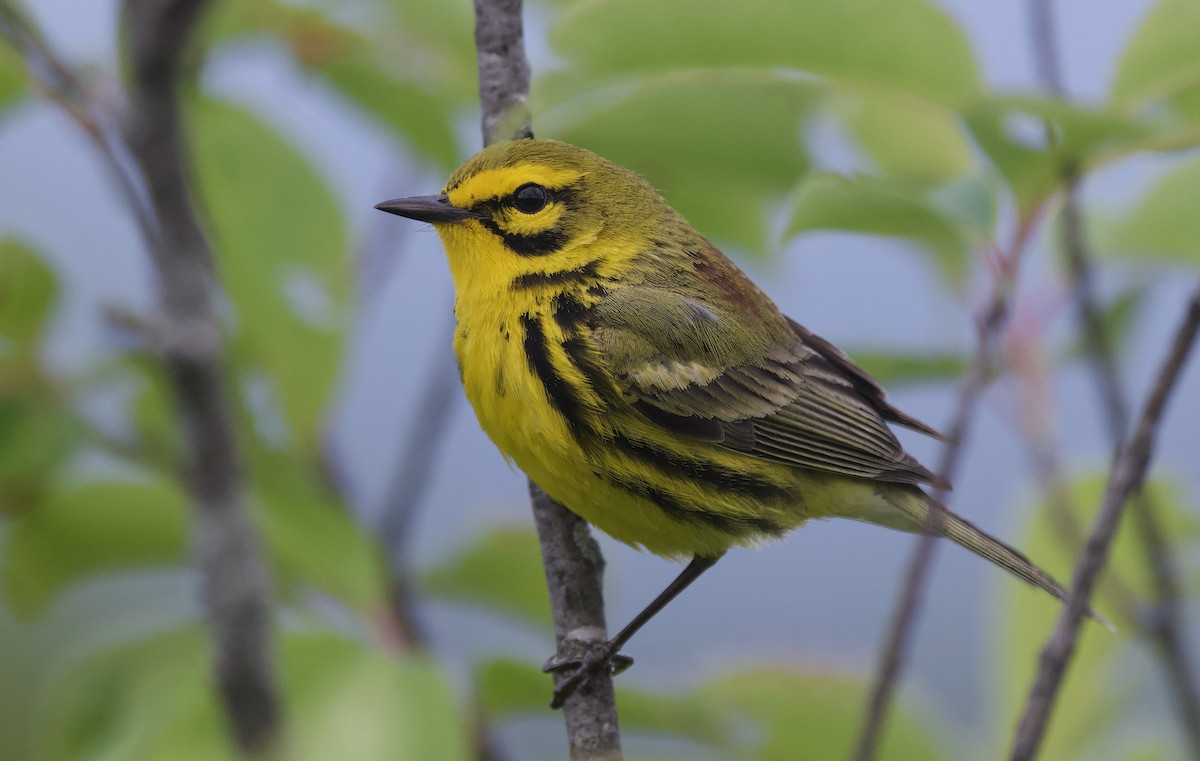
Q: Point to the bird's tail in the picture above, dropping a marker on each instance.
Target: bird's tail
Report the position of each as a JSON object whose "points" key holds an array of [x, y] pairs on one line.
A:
{"points": [[915, 504]]}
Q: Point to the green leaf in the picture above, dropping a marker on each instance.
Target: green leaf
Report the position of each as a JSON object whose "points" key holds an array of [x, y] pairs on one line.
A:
{"points": [[413, 71], [509, 688], [1160, 63], [721, 145], [313, 539], [151, 699], [440, 38], [353, 703], [501, 569], [28, 290], [405, 106], [281, 246], [38, 433], [13, 82], [1012, 132], [100, 527], [689, 716], [815, 716], [893, 368], [1165, 226], [826, 201], [908, 137], [156, 700], [972, 202], [908, 45]]}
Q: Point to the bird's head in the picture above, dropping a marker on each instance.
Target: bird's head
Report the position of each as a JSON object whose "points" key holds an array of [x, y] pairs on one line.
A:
{"points": [[537, 206]]}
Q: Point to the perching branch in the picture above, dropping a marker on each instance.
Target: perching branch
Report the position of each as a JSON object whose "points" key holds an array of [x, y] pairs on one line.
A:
{"points": [[1166, 625], [572, 559], [896, 645], [1128, 474], [575, 575], [144, 151], [503, 70]]}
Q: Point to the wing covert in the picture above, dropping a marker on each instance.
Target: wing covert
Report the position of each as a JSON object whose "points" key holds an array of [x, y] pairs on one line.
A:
{"points": [[800, 402]]}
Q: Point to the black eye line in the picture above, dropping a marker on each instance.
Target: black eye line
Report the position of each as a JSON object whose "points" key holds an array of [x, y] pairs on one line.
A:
{"points": [[486, 209]]}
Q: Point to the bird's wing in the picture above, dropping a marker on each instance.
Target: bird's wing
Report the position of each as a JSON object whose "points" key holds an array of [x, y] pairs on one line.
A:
{"points": [[779, 393]]}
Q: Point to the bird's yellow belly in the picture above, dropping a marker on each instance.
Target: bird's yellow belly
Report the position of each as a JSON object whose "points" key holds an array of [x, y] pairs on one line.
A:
{"points": [[512, 406]]}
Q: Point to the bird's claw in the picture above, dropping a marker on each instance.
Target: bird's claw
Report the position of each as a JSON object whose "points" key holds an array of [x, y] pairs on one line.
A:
{"points": [[581, 669]]}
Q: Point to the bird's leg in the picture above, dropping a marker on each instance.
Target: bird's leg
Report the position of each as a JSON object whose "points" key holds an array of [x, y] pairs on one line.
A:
{"points": [[607, 654]]}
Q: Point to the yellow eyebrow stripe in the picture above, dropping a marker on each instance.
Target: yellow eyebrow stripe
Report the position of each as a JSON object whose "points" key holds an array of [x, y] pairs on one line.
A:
{"points": [[497, 183]]}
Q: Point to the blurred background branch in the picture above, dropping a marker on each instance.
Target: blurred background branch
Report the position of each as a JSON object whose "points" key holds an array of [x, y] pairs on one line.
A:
{"points": [[983, 367], [234, 579], [1165, 623], [1128, 474]]}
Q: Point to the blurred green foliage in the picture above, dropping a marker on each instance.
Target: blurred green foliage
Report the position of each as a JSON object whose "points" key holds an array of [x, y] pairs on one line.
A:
{"points": [[716, 103]]}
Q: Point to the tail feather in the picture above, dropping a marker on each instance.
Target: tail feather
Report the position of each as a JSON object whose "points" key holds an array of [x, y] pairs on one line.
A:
{"points": [[916, 505]]}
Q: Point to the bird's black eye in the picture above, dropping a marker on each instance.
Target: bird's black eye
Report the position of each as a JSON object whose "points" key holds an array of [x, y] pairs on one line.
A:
{"points": [[530, 198]]}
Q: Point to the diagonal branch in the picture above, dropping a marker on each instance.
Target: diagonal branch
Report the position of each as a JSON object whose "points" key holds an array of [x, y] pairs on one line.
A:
{"points": [[60, 83], [983, 365], [1166, 627], [572, 559], [1128, 474]]}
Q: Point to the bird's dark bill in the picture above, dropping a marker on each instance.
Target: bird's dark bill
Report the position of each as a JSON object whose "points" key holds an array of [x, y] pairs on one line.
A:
{"points": [[425, 209]]}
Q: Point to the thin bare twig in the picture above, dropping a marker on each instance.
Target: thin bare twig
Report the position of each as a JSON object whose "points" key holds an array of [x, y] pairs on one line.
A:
{"points": [[572, 560], [63, 86], [1048, 470], [144, 153], [1128, 474], [895, 648], [1166, 626]]}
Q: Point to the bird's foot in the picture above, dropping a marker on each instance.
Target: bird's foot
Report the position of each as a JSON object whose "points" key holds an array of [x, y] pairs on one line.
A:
{"points": [[578, 670]]}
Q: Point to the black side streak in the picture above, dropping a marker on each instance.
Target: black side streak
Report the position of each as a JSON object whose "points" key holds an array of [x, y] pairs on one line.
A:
{"points": [[568, 311], [704, 429], [678, 511], [715, 475], [584, 357], [580, 274], [559, 392]]}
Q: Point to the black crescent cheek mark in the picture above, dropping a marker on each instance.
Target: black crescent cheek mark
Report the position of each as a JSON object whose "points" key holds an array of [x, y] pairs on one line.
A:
{"points": [[543, 243]]}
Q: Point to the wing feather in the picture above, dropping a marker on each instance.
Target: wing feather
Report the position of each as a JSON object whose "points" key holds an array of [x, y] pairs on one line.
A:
{"points": [[801, 401]]}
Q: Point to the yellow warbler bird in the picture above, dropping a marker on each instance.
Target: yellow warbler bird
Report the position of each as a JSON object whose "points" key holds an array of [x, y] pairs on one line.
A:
{"points": [[642, 380]]}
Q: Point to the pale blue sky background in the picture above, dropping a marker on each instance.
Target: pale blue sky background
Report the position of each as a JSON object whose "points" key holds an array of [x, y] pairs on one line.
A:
{"points": [[824, 596]]}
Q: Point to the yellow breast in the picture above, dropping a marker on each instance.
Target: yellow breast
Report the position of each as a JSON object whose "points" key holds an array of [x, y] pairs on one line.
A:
{"points": [[541, 392]]}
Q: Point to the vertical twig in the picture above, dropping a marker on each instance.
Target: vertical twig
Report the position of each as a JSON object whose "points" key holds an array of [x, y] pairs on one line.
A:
{"points": [[1166, 626], [235, 585], [574, 575], [896, 645], [1128, 474], [573, 563], [503, 70]]}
